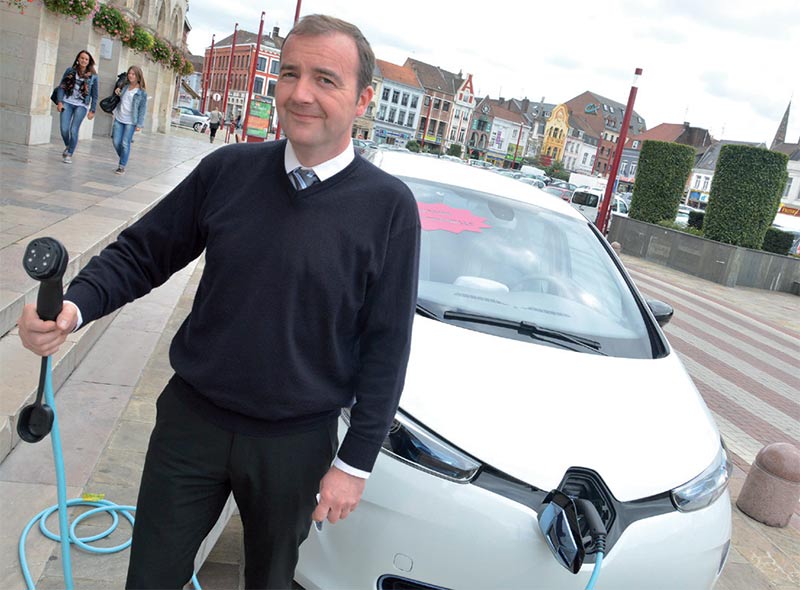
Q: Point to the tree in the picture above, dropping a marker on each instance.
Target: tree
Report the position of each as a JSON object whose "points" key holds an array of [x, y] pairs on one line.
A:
{"points": [[660, 180], [745, 195], [413, 146], [454, 150]]}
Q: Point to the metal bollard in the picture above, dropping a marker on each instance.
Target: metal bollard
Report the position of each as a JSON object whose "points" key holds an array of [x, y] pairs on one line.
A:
{"points": [[772, 487]]}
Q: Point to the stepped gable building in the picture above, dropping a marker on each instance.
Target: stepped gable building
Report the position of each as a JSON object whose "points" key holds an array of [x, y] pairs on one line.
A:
{"points": [[399, 103]]}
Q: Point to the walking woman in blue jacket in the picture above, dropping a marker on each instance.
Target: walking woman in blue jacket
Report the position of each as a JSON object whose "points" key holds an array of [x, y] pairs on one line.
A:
{"points": [[77, 95], [129, 115]]}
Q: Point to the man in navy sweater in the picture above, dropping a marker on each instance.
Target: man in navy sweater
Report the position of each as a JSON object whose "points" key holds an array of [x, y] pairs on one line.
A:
{"points": [[305, 307]]}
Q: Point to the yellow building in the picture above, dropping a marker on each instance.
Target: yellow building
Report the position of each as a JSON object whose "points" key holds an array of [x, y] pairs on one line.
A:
{"points": [[555, 133]]}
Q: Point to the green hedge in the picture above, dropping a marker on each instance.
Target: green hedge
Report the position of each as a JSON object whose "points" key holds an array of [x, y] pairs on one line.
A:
{"points": [[745, 195], [660, 180], [696, 219], [777, 241]]}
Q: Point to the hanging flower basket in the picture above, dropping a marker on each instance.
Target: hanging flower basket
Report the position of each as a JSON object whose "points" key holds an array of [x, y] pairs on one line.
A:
{"points": [[78, 10], [109, 19]]}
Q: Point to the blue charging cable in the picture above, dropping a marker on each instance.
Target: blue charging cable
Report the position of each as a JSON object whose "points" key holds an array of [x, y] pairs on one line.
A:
{"points": [[67, 534], [596, 571]]}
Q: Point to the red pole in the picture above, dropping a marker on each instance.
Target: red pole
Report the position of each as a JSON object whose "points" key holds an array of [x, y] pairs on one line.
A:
{"points": [[230, 67], [296, 18], [252, 80], [603, 215], [207, 77]]}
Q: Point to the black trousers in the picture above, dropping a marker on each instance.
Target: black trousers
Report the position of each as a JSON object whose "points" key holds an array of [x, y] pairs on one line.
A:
{"points": [[190, 469], [212, 129]]}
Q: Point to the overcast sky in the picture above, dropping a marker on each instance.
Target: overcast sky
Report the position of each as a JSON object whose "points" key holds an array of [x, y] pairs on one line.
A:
{"points": [[730, 66]]}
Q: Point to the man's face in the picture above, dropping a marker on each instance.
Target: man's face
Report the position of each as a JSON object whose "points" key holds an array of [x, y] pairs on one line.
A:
{"points": [[317, 95]]}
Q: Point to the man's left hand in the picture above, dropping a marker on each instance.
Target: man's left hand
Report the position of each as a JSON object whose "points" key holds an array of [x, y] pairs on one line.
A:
{"points": [[339, 494]]}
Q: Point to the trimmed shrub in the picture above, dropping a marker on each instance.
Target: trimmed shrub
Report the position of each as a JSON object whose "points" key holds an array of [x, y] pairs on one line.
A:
{"points": [[696, 219], [777, 241], [454, 150], [745, 195], [685, 229], [413, 146], [660, 180]]}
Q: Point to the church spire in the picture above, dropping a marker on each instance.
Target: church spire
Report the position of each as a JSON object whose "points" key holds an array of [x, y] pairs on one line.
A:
{"points": [[780, 135]]}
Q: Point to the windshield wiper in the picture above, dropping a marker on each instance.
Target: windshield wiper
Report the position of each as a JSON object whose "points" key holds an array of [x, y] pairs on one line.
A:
{"points": [[425, 312], [527, 329]]}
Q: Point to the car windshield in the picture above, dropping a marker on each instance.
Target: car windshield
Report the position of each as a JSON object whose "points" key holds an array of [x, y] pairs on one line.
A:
{"points": [[502, 259]]}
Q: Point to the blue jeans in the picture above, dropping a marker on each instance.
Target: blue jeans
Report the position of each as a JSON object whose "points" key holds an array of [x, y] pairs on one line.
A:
{"points": [[121, 136], [71, 119]]}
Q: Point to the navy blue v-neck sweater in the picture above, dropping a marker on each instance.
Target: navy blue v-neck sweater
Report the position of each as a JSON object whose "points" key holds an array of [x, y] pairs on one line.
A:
{"points": [[306, 301]]}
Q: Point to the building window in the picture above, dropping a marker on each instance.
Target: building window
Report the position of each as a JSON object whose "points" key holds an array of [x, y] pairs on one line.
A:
{"points": [[437, 103], [414, 101], [585, 156], [275, 67], [382, 112], [427, 100], [452, 134], [410, 121], [633, 169], [404, 100], [271, 88], [392, 114], [385, 95], [636, 144], [788, 188], [705, 183], [395, 96], [401, 117], [623, 169], [446, 107], [261, 64], [258, 85]]}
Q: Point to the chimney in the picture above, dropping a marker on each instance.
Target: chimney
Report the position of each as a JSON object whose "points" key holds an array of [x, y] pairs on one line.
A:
{"points": [[525, 104], [275, 31]]}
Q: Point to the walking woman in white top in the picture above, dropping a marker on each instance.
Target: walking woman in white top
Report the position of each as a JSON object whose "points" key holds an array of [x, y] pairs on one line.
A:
{"points": [[77, 98], [129, 115]]}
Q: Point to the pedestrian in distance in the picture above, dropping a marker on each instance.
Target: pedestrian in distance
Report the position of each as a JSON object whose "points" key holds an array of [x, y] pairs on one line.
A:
{"points": [[305, 307], [77, 99], [215, 118], [129, 115]]}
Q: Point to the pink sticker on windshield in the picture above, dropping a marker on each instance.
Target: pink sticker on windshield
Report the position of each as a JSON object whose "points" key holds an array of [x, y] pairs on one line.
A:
{"points": [[440, 216]]}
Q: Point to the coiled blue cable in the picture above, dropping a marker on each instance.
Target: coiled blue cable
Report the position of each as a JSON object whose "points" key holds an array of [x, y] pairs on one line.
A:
{"points": [[67, 533], [596, 571]]}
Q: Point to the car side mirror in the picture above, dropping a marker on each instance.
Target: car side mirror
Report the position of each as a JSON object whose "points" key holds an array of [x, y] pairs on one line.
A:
{"points": [[558, 522], [663, 312]]}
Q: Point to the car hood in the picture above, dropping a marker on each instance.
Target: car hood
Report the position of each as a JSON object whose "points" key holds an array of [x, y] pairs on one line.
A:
{"points": [[533, 411]]}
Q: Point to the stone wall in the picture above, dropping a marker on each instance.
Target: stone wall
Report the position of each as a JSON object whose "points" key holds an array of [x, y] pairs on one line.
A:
{"points": [[722, 263]]}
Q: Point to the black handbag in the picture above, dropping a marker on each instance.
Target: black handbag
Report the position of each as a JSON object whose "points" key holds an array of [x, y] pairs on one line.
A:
{"points": [[54, 96], [109, 103]]}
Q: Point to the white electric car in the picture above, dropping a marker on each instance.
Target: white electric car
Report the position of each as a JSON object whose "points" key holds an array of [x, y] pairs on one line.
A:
{"points": [[536, 365]]}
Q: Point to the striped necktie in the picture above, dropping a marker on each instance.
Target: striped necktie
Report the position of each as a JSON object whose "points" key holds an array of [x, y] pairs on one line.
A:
{"points": [[302, 178]]}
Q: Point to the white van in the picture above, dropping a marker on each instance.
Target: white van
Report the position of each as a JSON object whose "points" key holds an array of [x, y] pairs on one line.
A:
{"points": [[587, 201]]}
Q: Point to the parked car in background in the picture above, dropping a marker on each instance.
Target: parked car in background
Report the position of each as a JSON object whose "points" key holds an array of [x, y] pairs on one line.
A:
{"points": [[191, 117], [682, 218], [362, 145], [562, 184], [538, 183], [588, 201], [536, 366], [562, 193]]}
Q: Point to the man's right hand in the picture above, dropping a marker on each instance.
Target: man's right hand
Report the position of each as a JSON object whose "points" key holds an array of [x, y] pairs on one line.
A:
{"points": [[46, 337]]}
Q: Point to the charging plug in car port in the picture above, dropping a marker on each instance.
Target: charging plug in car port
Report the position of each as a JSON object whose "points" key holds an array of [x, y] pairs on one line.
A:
{"points": [[572, 528]]}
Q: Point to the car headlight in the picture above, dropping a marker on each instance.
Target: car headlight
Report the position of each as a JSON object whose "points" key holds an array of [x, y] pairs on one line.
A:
{"points": [[706, 487], [413, 444]]}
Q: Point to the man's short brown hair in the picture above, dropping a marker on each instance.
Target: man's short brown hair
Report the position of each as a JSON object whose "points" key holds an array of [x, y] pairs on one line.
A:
{"points": [[320, 24]]}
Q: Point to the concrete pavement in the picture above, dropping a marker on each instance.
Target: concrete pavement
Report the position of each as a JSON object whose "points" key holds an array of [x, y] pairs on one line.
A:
{"points": [[106, 392]]}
